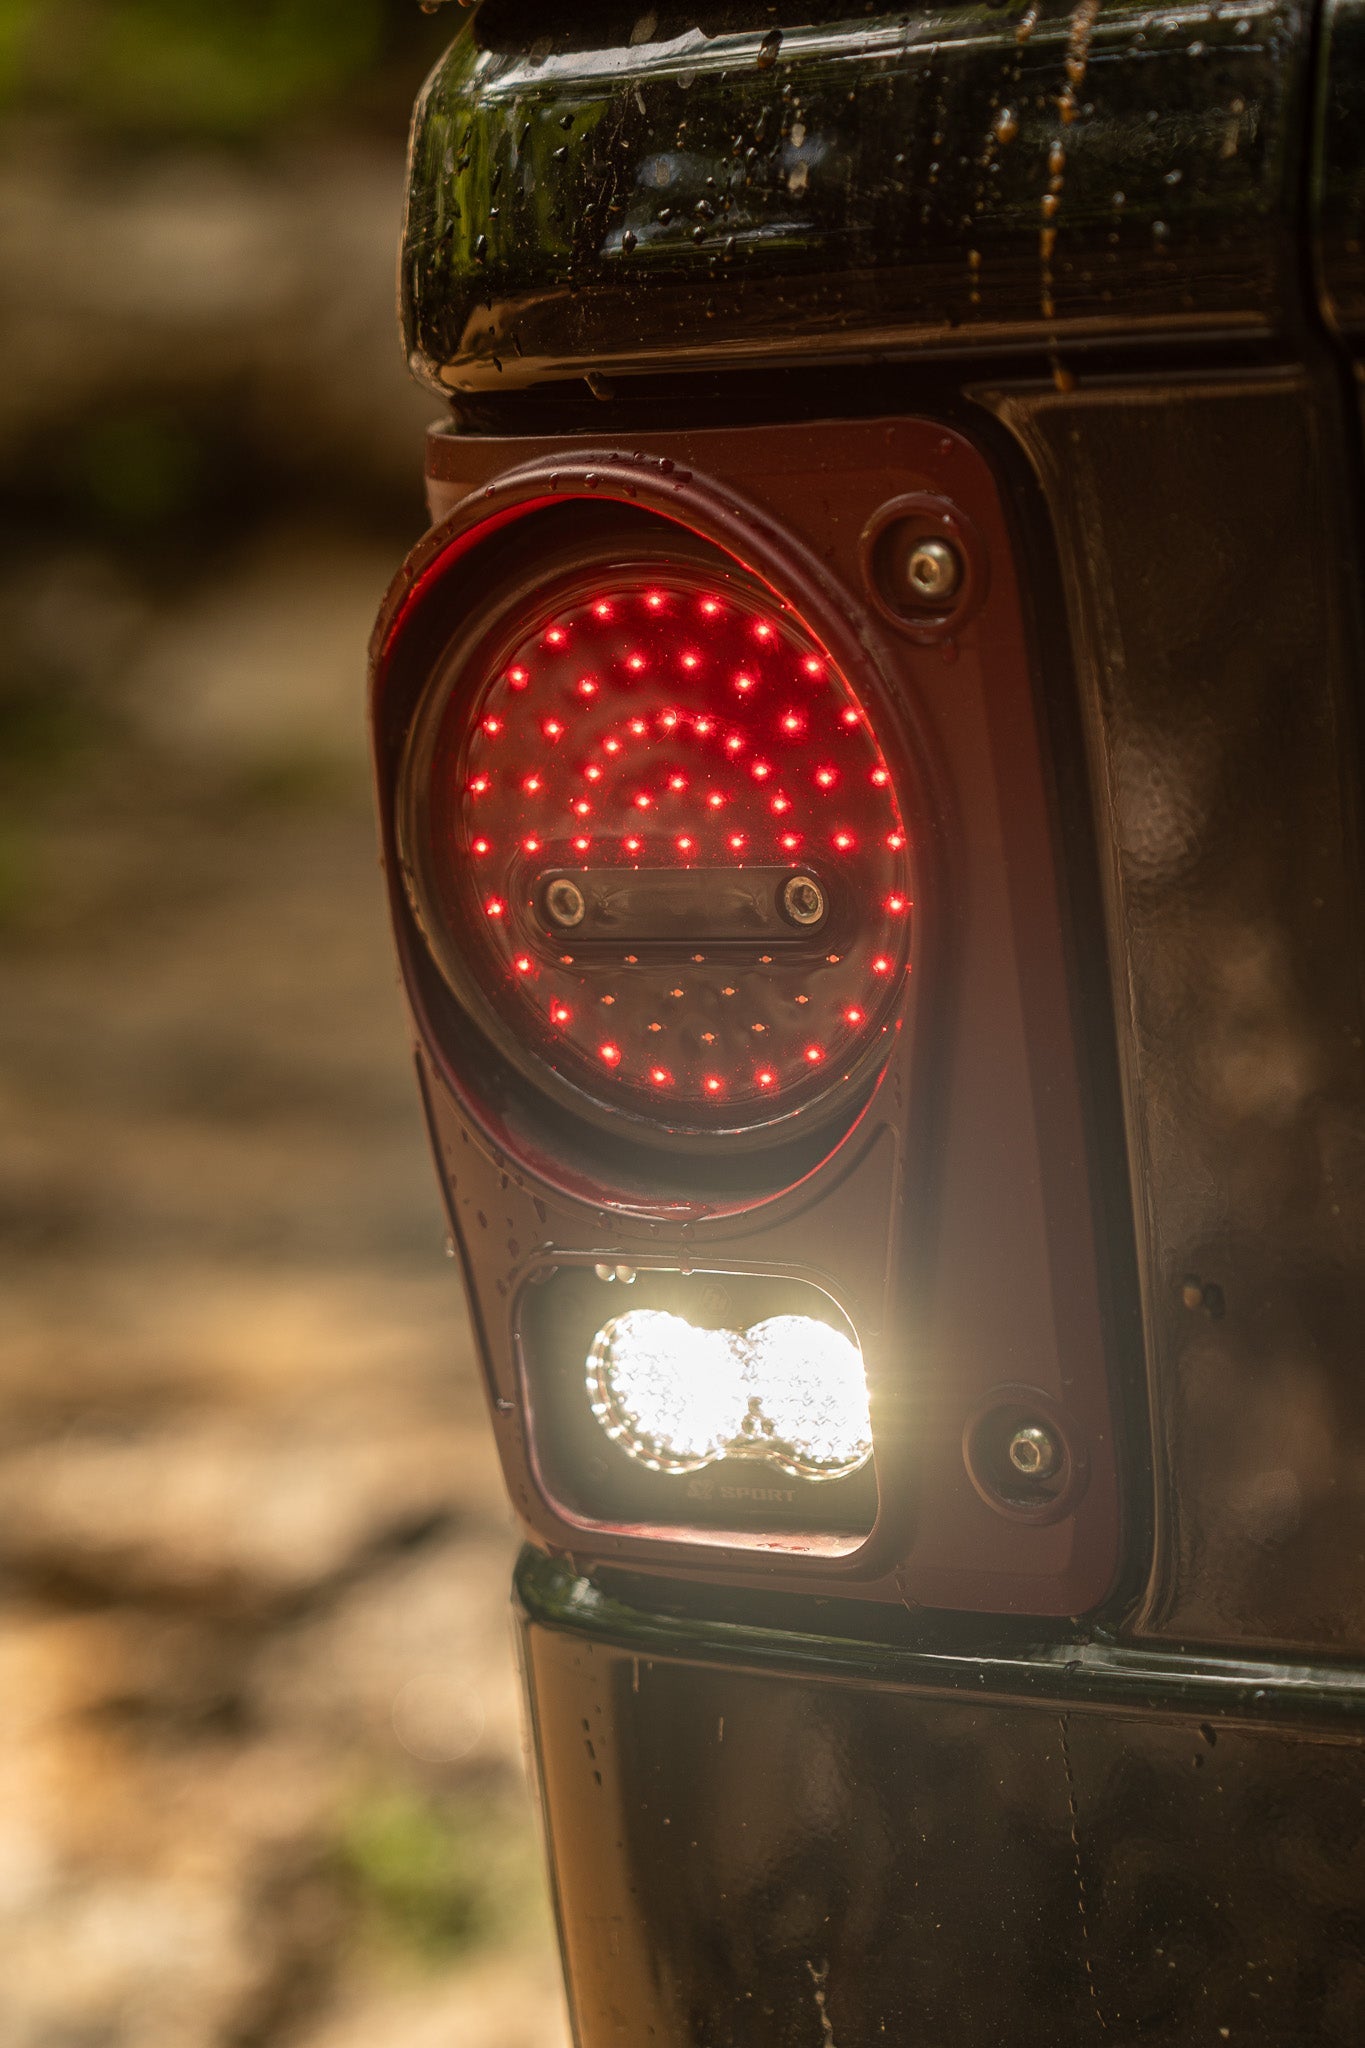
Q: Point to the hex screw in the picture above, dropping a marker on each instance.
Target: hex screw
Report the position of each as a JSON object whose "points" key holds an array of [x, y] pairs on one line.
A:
{"points": [[565, 903], [803, 900], [933, 572], [1033, 1451]]}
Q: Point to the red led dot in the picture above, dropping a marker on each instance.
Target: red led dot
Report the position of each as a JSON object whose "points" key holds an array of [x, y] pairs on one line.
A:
{"points": [[737, 842], [532, 785], [715, 800], [493, 726], [743, 682], [881, 777], [850, 716], [551, 728], [895, 840], [881, 965], [677, 782], [792, 721], [587, 686], [592, 773], [844, 840], [896, 904], [713, 1084], [668, 720], [556, 637], [602, 609], [853, 1015], [611, 746], [581, 807], [760, 770], [518, 678], [711, 607], [826, 778], [780, 803], [735, 743], [638, 727], [610, 1055], [635, 663], [703, 727], [643, 800], [661, 1077], [691, 661], [814, 1054], [655, 600], [582, 845], [790, 841], [684, 844], [522, 963], [560, 1013], [479, 784], [531, 845], [766, 1078], [763, 631], [632, 845], [495, 907], [481, 846], [812, 666]]}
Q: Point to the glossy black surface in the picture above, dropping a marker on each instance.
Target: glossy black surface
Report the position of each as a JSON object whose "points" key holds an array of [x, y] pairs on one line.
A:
{"points": [[708, 185], [1339, 168], [791, 1855], [1210, 545]]}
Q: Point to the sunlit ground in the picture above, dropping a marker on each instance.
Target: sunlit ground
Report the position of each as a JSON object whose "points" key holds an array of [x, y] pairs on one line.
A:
{"points": [[260, 1770], [260, 1751]]}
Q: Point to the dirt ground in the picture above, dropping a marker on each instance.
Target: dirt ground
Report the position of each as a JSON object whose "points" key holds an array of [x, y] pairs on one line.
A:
{"points": [[261, 1778]]}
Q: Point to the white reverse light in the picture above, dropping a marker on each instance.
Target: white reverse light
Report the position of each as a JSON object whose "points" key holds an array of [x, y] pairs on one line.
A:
{"points": [[790, 1391]]}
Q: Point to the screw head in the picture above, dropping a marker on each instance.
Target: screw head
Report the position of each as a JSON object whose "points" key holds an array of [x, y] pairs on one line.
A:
{"points": [[565, 903], [1033, 1451], [933, 572], [803, 900]]}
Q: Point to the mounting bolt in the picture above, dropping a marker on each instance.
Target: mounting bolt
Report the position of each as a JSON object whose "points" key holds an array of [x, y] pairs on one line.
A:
{"points": [[1033, 1451], [565, 903], [803, 900], [933, 572]]}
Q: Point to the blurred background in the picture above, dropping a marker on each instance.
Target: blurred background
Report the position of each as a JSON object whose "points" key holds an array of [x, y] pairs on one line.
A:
{"points": [[260, 1755]]}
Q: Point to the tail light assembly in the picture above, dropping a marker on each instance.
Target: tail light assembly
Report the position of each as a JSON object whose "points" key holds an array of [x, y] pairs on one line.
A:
{"points": [[742, 966]]}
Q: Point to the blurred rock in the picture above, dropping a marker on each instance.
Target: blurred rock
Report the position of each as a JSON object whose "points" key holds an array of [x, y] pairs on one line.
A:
{"points": [[266, 665], [205, 273], [217, 1512]]}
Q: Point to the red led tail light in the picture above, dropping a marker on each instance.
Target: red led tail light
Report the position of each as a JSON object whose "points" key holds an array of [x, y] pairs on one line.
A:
{"points": [[653, 828]]}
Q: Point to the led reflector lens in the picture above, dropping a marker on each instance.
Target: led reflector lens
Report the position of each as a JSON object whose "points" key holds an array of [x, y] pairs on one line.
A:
{"points": [[671, 738], [789, 1391]]}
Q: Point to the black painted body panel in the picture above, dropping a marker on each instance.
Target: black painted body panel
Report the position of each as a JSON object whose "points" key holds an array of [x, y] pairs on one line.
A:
{"points": [[1210, 546], [752, 1843]]}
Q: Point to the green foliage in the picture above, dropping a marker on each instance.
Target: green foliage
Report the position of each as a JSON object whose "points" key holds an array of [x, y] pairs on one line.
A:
{"points": [[230, 68], [439, 1877], [138, 470]]}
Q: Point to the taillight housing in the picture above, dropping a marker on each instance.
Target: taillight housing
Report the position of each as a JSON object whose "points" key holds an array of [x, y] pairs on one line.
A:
{"points": [[728, 910], [656, 844]]}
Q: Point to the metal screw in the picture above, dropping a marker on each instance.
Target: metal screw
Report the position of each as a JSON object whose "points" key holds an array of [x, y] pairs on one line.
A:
{"points": [[1033, 1451], [565, 903], [933, 570], [803, 900]]}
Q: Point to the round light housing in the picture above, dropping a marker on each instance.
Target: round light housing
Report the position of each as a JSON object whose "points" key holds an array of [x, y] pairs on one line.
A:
{"points": [[652, 828]]}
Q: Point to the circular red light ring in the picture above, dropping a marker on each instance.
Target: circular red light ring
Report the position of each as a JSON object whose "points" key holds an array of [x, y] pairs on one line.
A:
{"points": [[667, 719]]}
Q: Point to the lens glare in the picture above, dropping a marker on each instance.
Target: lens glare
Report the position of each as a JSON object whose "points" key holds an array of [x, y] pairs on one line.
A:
{"points": [[790, 1392]]}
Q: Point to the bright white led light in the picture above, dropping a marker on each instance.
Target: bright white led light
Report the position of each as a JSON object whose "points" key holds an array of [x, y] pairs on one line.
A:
{"points": [[810, 1384], [790, 1391], [671, 1395]]}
